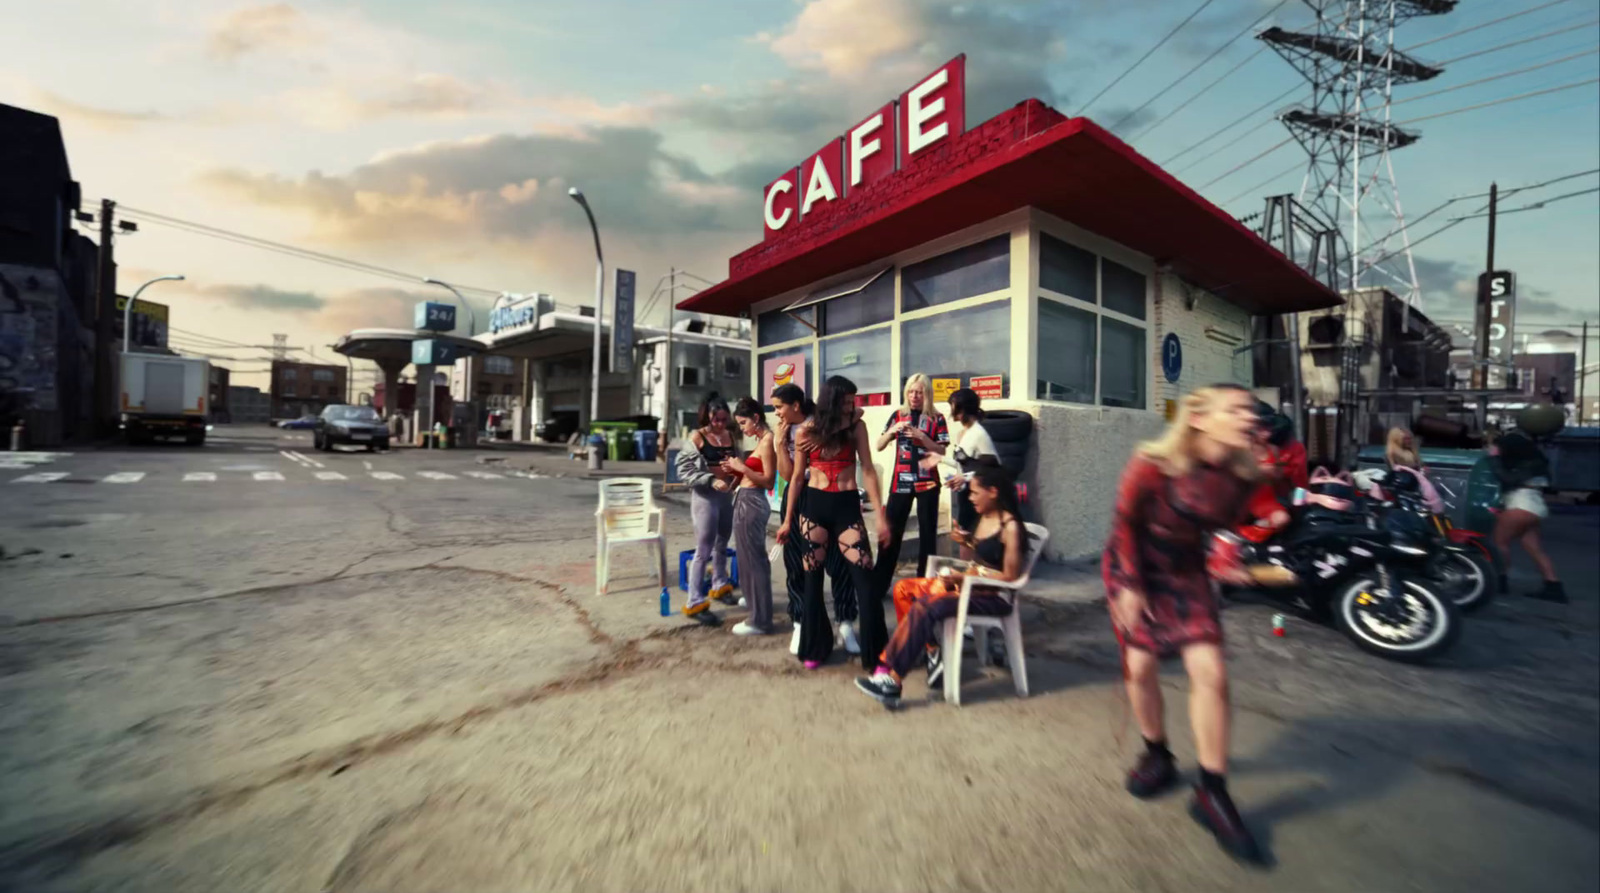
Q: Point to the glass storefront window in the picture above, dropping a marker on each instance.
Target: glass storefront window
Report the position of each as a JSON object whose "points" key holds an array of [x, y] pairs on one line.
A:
{"points": [[1066, 269], [867, 307], [959, 344], [963, 273], [1122, 364], [1121, 289], [776, 327], [863, 358], [1066, 353], [798, 358]]}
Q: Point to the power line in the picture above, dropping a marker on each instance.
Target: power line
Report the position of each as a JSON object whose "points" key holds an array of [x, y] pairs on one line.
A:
{"points": [[1496, 77], [1506, 46], [1505, 18], [1214, 53], [1484, 105], [1534, 206], [294, 250], [1232, 124], [1203, 90], [1224, 147], [1147, 54], [1263, 184], [1244, 164]]}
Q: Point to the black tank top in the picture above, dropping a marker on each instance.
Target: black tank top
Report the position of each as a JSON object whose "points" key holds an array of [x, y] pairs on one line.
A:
{"points": [[714, 454], [991, 550]]}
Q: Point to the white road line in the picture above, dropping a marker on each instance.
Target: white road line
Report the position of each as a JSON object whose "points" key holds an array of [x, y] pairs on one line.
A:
{"points": [[436, 475], [124, 477], [200, 476], [268, 476], [367, 464], [43, 477], [296, 458], [310, 462], [485, 476], [330, 476], [388, 476]]}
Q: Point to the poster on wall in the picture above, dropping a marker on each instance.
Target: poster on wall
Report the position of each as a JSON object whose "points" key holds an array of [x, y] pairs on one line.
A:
{"points": [[943, 388], [781, 370], [988, 387]]}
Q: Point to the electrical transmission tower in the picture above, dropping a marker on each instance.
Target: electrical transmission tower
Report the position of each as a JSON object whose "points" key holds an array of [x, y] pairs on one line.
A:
{"points": [[1352, 65], [280, 349]]}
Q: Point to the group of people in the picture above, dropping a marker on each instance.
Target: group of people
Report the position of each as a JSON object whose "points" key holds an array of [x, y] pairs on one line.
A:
{"points": [[822, 451]]}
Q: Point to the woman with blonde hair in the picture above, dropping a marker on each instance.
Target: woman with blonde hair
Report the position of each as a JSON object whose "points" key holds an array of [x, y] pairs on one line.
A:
{"points": [[1177, 490], [1403, 457], [918, 431]]}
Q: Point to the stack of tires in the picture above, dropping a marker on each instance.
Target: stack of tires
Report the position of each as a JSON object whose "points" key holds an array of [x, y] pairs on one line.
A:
{"points": [[1012, 431]]}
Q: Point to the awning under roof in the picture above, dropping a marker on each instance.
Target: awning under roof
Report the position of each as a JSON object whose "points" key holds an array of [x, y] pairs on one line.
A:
{"points": [[1028, 156], [838, 290]]}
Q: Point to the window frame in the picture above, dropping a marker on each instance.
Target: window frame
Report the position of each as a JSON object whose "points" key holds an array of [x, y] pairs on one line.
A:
{"points": [[1102, 251]]}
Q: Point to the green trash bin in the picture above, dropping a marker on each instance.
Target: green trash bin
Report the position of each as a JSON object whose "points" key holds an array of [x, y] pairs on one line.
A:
{"points": [[619, 438]]}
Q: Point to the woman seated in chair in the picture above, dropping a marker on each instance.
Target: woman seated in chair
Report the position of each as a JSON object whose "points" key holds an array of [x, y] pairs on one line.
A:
{"points": [[999, 543]]}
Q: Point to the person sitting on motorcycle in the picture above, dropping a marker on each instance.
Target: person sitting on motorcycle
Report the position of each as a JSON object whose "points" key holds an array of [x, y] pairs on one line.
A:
{"points": [[1401, 454]]}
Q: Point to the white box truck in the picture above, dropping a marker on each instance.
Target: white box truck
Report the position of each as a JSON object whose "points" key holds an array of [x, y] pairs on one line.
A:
{"points": [[164, 396]]}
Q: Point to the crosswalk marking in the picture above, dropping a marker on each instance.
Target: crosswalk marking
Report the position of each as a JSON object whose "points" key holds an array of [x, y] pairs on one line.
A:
{"points": [[485, 476], [124, 477], [436, 475], [330, 476], [43, 477], [268, 476], [388, 476], [200, 476]]}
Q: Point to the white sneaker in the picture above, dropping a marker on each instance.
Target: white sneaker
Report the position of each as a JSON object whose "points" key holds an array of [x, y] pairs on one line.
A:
{"points": [[743, 628], [794, 640], [848, 633], [741, 601]]}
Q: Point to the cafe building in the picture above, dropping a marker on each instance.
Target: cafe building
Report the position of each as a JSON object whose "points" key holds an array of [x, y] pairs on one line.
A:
{"points": [[1034, 258]]}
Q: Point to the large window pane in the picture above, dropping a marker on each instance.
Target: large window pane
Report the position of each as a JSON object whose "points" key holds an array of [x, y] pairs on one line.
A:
{"points": [[1122, 364], [776, 327], [1121, 289], [1066, 353], [1066, 269], [963, 273], [862, 358], [869, 306], [959, 344]]}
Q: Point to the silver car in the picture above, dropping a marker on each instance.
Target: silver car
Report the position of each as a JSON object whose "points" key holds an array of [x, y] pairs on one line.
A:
{"points": [[357, 425]]}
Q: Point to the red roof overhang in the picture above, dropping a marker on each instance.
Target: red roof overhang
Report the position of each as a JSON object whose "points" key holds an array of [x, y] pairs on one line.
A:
{"points": [[1030, 155]]}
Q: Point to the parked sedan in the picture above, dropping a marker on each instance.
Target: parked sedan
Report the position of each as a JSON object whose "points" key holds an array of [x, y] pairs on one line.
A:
{"points": [[358, 425], [300, 424]]}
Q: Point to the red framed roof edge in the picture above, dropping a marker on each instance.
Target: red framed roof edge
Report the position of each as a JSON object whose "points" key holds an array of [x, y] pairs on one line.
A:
{"points": [[1029, 155]]}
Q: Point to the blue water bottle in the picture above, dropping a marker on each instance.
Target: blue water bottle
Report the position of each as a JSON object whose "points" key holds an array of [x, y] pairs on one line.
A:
{"points": [[666, 603]]}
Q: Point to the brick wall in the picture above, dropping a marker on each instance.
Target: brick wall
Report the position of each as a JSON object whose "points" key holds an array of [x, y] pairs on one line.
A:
{"points": [[1207, 358]]}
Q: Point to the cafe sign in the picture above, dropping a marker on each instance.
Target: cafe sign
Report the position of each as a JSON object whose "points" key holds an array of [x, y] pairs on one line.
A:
{"points": [[891, 138]]}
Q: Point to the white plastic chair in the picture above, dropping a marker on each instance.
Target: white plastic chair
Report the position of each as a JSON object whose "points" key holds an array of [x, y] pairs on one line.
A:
{"points": [[1010, 624], [627, 514]]}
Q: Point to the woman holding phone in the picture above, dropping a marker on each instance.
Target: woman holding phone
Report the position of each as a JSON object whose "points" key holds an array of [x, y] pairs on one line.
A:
{"points": [[973, 447], [918, 431], [750, 512]]}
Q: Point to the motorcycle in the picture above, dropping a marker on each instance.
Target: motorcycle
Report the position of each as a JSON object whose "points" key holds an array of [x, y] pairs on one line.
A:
{"points": [[1360, 570], [1461, 562]]}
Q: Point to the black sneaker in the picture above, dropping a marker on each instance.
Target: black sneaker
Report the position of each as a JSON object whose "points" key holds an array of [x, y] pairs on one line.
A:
{"points": [[1153, 774], [1215, 812], [1552, 591], [935, 667], [706, 618], [881, 686]]}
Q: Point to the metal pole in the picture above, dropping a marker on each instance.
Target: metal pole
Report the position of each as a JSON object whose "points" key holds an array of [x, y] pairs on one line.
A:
{"points": [[599, 303], [671, 419], [1481, 374], [1297, 400], [1583, 366], [105, 398]]}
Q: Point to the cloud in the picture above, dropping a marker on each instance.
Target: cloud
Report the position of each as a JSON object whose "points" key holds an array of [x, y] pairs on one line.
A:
{"points": [[97, 118], [254, 29], [509, 186], [1450, 288], [262, 297]]}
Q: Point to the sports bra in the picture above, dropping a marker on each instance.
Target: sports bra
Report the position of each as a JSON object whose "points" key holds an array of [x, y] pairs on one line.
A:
{"points": [[834, 467], [714, 454], [991, 550]]}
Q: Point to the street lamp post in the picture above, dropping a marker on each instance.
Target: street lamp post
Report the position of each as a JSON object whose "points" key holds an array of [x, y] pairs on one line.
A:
{"points": [[127, 312], [467, 384], [599, 303]]}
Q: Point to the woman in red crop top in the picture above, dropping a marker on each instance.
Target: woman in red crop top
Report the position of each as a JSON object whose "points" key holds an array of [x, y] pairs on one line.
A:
{"points": [[827, 448]]}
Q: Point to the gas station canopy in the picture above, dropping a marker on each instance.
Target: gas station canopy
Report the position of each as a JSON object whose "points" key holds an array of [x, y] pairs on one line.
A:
{"points": [[394, 345]]}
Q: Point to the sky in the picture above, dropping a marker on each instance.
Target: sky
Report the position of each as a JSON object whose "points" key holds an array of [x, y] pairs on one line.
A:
{"points": [[439, 139]]}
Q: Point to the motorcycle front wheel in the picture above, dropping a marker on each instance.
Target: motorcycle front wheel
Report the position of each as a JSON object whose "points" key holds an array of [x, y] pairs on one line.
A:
{"points": [[1466, 577], [1414, 626]]}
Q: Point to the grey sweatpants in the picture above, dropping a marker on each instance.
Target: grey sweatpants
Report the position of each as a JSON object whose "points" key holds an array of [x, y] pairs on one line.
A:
{"points": [[712, 512], [750, 511]]}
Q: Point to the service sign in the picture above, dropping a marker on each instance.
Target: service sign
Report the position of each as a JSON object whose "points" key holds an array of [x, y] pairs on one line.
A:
{"points": [[432, 352], [929, 114], [433, 316]]}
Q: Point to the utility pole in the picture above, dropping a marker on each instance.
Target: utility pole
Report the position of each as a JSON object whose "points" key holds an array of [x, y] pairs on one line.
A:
{"points": [[1480, 375], [1583, 365], [670, 422], [105, 310]]}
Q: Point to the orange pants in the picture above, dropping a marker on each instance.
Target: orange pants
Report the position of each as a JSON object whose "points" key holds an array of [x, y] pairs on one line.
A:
{"points": [[912, 588]]}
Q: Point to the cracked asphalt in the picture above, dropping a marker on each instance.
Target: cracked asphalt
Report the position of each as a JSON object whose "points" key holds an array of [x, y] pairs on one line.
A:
{"points": [[407, 683]]}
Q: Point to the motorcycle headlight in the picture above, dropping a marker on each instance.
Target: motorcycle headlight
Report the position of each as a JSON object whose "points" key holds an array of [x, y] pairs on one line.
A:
{"points": [[1404, 549]]}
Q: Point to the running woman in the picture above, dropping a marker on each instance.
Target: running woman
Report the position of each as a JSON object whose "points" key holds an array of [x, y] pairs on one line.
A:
{"points": [[918, 431], [1178, 490], [750, 513], [700, 468], [826, 453]]}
